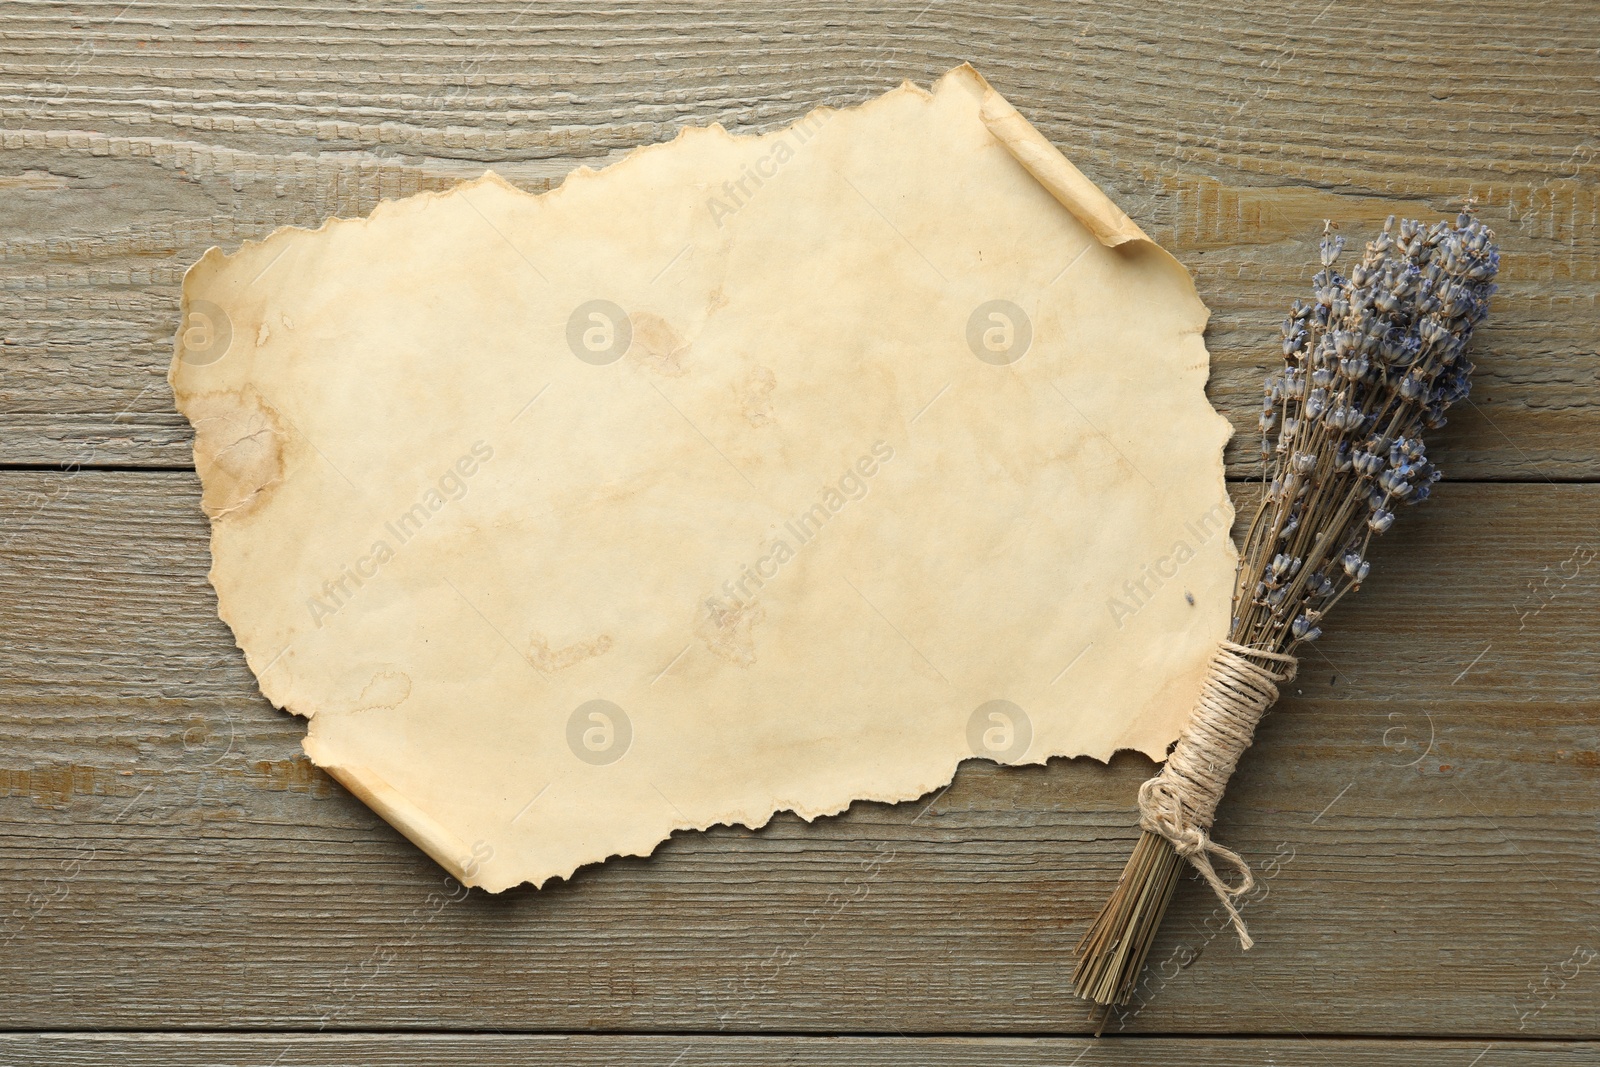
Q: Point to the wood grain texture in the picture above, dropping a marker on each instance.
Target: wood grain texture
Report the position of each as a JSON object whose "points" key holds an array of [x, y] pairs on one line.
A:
{"points": [[1422, 807], [1425, 826], [133, 137], [297, 1050]]}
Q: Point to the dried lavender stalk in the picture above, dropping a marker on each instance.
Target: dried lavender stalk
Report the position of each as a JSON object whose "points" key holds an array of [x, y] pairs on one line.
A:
{"points": [[1370, 363]]}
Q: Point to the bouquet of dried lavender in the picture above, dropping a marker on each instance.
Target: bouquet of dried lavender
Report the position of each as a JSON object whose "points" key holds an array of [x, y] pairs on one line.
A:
{"points": [[1370, 363]]}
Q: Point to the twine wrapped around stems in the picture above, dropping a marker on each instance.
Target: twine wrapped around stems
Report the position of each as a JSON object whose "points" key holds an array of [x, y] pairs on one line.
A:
{"points": [[1180, 803]]}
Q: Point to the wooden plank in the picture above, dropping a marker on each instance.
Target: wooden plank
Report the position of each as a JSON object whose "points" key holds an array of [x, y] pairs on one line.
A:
{"points": [[1422, 810], [441, 1050], [133, 138]]}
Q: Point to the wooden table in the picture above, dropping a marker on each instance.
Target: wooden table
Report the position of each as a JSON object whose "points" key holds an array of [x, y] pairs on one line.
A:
{"points": [[180, 886]]}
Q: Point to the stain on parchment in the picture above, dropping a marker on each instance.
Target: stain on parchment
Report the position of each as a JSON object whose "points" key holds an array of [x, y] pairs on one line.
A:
{"points": [[238, 450], [386, 690], [729, 631], [550, 660], [658, 346], [755, 396]]}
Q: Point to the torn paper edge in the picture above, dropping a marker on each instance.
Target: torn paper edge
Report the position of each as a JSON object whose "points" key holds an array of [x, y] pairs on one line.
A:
{"points": [[1048, 166]]}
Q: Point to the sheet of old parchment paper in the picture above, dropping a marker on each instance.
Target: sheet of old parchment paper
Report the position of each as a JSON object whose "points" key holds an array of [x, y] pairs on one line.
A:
{"points": [[748, 474]]}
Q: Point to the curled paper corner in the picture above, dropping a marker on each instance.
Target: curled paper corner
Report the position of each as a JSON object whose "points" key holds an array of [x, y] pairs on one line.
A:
{"points": [[1108, 222], [744, 474], [445, 848], [1072, 189]]}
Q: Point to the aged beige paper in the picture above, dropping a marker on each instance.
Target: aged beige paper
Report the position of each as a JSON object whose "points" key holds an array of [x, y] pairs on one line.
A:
{"points": [[746, 475]]}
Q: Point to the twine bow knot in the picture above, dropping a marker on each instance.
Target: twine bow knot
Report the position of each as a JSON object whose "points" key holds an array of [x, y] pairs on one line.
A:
{"points": [[1181, 802]]}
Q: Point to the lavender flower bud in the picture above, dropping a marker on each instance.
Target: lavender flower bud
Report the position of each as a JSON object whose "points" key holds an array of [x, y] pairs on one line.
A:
{"points": [[1432, 332], [1330, 248], [1406, 449], [1304, 630], [1342, 419], [1395, 484]]}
